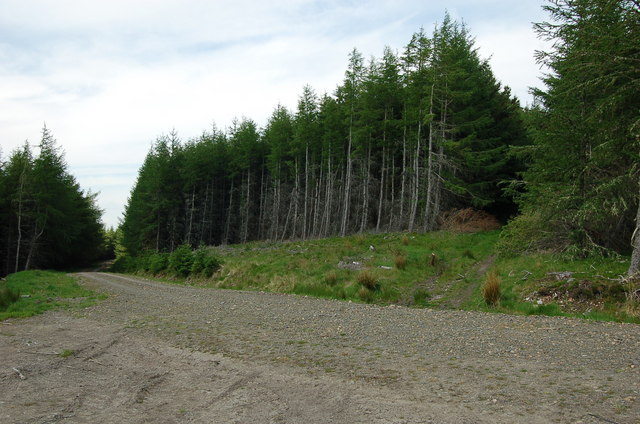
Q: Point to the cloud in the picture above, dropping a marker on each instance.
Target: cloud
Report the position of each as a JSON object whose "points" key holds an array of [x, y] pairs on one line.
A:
{"points": [[108, 77]]}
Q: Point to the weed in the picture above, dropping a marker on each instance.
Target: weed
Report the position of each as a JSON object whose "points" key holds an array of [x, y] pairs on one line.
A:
{"points": [[368, 280], [420, 297], [491, 289], [66, 353], [405, 240], [331, 278], [468, 254], [44, 290], [400, 261], [365, 294], [632, 303], [7, 297]]}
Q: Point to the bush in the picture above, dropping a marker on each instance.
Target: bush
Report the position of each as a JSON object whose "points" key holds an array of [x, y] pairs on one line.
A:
{"points": [[7, 297], [211, 265], [199, 257], [401, 261], [158, 262], [527, 233], [491, 289], [331, 278], [181, 260], [365, 294], [368, 280]]}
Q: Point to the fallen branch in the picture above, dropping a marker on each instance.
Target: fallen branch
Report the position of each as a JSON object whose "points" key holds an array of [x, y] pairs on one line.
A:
{"points": [[602, 419], [22, 377]]}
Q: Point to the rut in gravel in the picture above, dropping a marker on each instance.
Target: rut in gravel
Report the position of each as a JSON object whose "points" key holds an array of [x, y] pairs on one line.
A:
{"points": [[192, 354]]}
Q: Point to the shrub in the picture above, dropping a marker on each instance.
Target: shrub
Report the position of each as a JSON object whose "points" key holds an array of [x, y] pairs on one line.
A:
{"points": [[421, 296], [365, 294], [368, 280], [199, 257], [491, 289], [331, 278], [211, 265], [181, 260], [7, 297], [158, 262], [401, 261]]}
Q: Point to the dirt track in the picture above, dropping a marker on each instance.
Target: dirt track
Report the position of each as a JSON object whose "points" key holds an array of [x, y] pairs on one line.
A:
{"points": [[160, 353]]}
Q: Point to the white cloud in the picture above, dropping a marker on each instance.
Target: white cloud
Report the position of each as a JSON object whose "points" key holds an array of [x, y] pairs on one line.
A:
{"points": [[108, 77]]}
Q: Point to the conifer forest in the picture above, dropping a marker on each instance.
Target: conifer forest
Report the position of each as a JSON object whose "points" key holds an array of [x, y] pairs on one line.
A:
{"points": [[403, 139]]}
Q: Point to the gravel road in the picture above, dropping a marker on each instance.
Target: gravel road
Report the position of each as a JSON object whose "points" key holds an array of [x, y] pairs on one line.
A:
{"points": [[159, 353]]}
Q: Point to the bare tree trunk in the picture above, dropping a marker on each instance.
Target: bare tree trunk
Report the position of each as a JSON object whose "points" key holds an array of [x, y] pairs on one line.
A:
{"points": [[22, 176], [190, 227], [416, 178], [328, 198], [427, 225], [365, 191], [262, 202], [306, 190], [392, 179], [276, 208], [347, 189], [245, 224], [204, 214], [634, 267], [227, 226], [382, 182], [296, 201], [34, 241], [404, 167], [316, 207]]}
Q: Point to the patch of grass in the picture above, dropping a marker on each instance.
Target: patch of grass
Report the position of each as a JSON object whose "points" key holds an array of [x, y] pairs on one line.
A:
{"points": [[331, 278], [491, 289], [368, 280], [44, 290], [400, 262], [365, 294], [337, 267], [421, 297], [8, 296], [66, 353]]}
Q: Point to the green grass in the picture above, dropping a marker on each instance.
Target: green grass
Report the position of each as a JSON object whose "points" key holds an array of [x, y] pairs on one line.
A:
{"points": [[44, 290], [440, 269]]}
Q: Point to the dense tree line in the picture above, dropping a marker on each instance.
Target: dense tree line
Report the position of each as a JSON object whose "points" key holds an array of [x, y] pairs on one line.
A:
{"points": [[46, 220], [403, 138], [582, 185]]}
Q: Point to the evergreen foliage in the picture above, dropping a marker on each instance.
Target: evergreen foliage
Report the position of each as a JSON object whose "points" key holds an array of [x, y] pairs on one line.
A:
{"points": [[582, 184], [402, 139], [47, 220]]}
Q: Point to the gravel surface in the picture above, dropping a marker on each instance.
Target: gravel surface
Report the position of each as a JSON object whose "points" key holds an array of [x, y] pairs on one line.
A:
{"points": [[154, 352]]}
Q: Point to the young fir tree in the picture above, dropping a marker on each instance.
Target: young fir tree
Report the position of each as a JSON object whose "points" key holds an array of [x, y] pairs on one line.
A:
{"points": [[583, 181]]}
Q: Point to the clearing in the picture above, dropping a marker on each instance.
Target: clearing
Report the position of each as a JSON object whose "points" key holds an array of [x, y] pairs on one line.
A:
{"points": [[154, 352]]}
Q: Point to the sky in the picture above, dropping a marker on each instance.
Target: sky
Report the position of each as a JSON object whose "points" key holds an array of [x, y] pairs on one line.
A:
{"points": [[109, 77]]}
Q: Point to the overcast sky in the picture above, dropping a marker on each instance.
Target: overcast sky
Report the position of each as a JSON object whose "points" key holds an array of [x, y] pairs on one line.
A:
{"points": [[109, 77]]}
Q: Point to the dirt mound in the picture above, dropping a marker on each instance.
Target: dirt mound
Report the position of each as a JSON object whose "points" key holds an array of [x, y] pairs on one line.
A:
{"points": [[469, 220]]}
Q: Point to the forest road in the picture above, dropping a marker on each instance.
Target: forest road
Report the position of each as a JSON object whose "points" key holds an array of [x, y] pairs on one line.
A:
{"points": [[158, 353]]}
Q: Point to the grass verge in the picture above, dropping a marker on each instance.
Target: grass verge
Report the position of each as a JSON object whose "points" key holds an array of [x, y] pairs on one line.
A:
{"points": [[442, 269], [40, 291]]}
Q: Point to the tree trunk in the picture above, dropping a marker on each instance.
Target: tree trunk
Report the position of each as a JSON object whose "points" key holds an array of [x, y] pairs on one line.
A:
{"points": [[427, 207], [381, 194], [347, 189], [227, 227], [22, 176], [634, 267], [404, 169], [416, 177]]}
